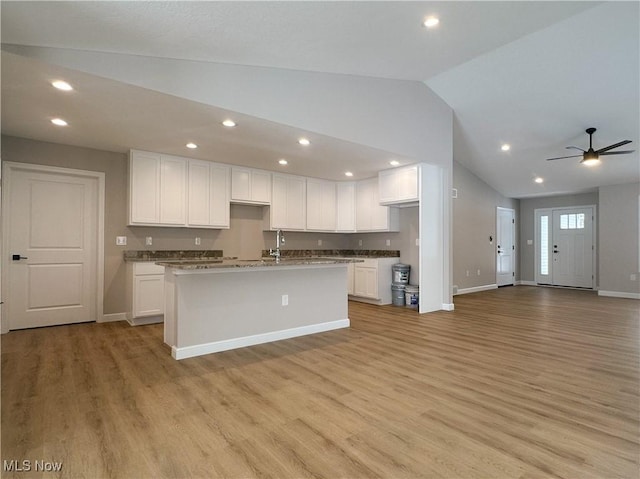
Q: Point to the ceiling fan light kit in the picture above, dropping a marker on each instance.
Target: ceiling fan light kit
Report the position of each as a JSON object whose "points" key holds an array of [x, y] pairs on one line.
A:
{"points": [[591, 157]]}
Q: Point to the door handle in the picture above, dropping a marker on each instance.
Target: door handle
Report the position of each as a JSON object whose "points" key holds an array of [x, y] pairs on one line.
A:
{"points": [[17, 257], [555, 250]]}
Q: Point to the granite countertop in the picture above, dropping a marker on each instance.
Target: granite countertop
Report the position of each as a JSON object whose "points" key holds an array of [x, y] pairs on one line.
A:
{"points": [[172, 255], [342, 253], [251, 263]]}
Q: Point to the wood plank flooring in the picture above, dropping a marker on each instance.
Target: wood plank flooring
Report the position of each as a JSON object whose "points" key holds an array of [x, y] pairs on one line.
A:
{"points": [[519, 382]]}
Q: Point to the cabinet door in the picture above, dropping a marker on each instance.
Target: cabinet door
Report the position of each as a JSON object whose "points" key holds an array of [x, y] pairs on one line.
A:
{"points": [[408, 184], [279, 202], [240, 184], [388, 186], [350, 278], [173, 181], [144, 191], [366, 282], [398, 186], [219, 195], [199, 193], [296, 203], [345, 207], [379, 214], [148, 295], [364, 199], [261, 186], [321, 205]]}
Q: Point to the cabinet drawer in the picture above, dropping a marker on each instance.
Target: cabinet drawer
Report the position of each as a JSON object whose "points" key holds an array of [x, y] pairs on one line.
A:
{"points": [[368, 263], [147, 268]]}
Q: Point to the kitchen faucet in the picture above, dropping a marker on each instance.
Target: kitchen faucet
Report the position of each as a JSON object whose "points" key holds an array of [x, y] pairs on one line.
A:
{"points": [[279, 242]]}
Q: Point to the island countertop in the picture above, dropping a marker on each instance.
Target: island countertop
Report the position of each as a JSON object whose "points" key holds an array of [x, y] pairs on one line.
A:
{"points": [[235, 264]]}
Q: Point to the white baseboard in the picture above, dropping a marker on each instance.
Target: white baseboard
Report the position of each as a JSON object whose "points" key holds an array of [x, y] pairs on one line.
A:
{"points": [[477, 289], [526, 283], [218, 346], [107, 318], [448, 306], [619, 294]]}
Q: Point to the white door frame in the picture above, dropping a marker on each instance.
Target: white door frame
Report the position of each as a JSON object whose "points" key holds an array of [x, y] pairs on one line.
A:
{"points": [[9, 167], [513, 239], [539, 211]]}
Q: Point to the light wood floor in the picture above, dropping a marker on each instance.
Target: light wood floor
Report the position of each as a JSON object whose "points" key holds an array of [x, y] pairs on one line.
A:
{"points": [[520, 382]]}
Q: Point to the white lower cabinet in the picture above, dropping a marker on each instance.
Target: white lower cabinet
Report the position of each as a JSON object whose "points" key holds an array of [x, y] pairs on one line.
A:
{"points": [[372, 280], [147, 293]]}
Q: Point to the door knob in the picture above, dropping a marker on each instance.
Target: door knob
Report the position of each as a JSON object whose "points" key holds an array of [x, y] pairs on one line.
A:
{"points": [[17, 257]]}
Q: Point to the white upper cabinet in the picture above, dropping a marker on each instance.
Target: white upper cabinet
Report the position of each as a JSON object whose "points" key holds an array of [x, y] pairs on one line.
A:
{"points": [[399, 186], [208, 195], [157, 189], [173, 188], [370, 216], [346, 207], [321, 205], [144, 188], [288, 202], [250, 186]]}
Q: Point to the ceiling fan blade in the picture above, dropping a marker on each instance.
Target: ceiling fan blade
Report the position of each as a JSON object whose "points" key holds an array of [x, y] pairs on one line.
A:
{"points": [[563, 157], [575, 148], [611, 147], [624, 152]]}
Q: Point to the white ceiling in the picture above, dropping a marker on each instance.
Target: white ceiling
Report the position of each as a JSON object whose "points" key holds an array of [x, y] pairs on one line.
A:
{"points": [[534, 74]]}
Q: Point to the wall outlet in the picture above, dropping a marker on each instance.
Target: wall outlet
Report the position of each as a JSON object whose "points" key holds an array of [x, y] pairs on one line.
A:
{"points": [[633, 277], [197, 241], [467, 273], [285, 300], [148, 241], [388, 242], [121, 240], [478, 272], [529, 242], [359, 242], [319, 242]]}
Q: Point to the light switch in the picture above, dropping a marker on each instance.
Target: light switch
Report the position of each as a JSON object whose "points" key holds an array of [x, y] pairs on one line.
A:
{"points": [[121, 240], [529, 242]]}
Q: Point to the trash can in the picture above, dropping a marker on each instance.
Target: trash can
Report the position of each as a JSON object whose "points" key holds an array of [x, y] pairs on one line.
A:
{"points": [[397, 294], [412, 296], [400, 273]]}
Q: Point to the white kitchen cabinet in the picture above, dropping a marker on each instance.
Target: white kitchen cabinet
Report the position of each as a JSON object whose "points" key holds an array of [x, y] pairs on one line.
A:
{"points": [[321, 205], [370, 215], [372, 280], [157, 189], [208, 190], [399, 186], [147, 283], [288, 203], [250, 186], [346, 207]]}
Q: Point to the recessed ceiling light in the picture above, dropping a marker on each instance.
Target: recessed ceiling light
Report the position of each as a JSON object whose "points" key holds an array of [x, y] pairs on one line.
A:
{"points": [[283, 161], [394, 162], [348, 173], [62, 85], [539, 180], [192, 145], [59, 122], [304, 142], [431, 22], [229, 123], [505, 147]]}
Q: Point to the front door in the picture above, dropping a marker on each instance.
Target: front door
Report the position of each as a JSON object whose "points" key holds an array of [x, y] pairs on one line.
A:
{"points": [[505, 252], [572, 244], [53, 242]]}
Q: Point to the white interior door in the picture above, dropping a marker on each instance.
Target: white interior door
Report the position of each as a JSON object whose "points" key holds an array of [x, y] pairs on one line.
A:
{"points": [[54, 223], [505, 253], [572, 247]]}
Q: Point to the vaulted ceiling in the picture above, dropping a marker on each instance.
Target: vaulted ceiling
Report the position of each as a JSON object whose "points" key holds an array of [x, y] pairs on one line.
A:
{"points": [[531, 74]]}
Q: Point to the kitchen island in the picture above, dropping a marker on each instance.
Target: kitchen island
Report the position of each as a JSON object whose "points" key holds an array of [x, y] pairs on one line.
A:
{"points": [[217, 305]]}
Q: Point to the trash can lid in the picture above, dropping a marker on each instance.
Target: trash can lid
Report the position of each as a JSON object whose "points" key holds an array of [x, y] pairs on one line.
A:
{"points": [[412, 288], [401, 266]]}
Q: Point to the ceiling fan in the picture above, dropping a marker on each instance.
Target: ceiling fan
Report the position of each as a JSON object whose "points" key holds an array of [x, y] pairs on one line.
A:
{"points": [[591, 157]]}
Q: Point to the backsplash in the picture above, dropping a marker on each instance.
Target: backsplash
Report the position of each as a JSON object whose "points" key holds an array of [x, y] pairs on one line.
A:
{"points": [[298, 253], [134, 255]]}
